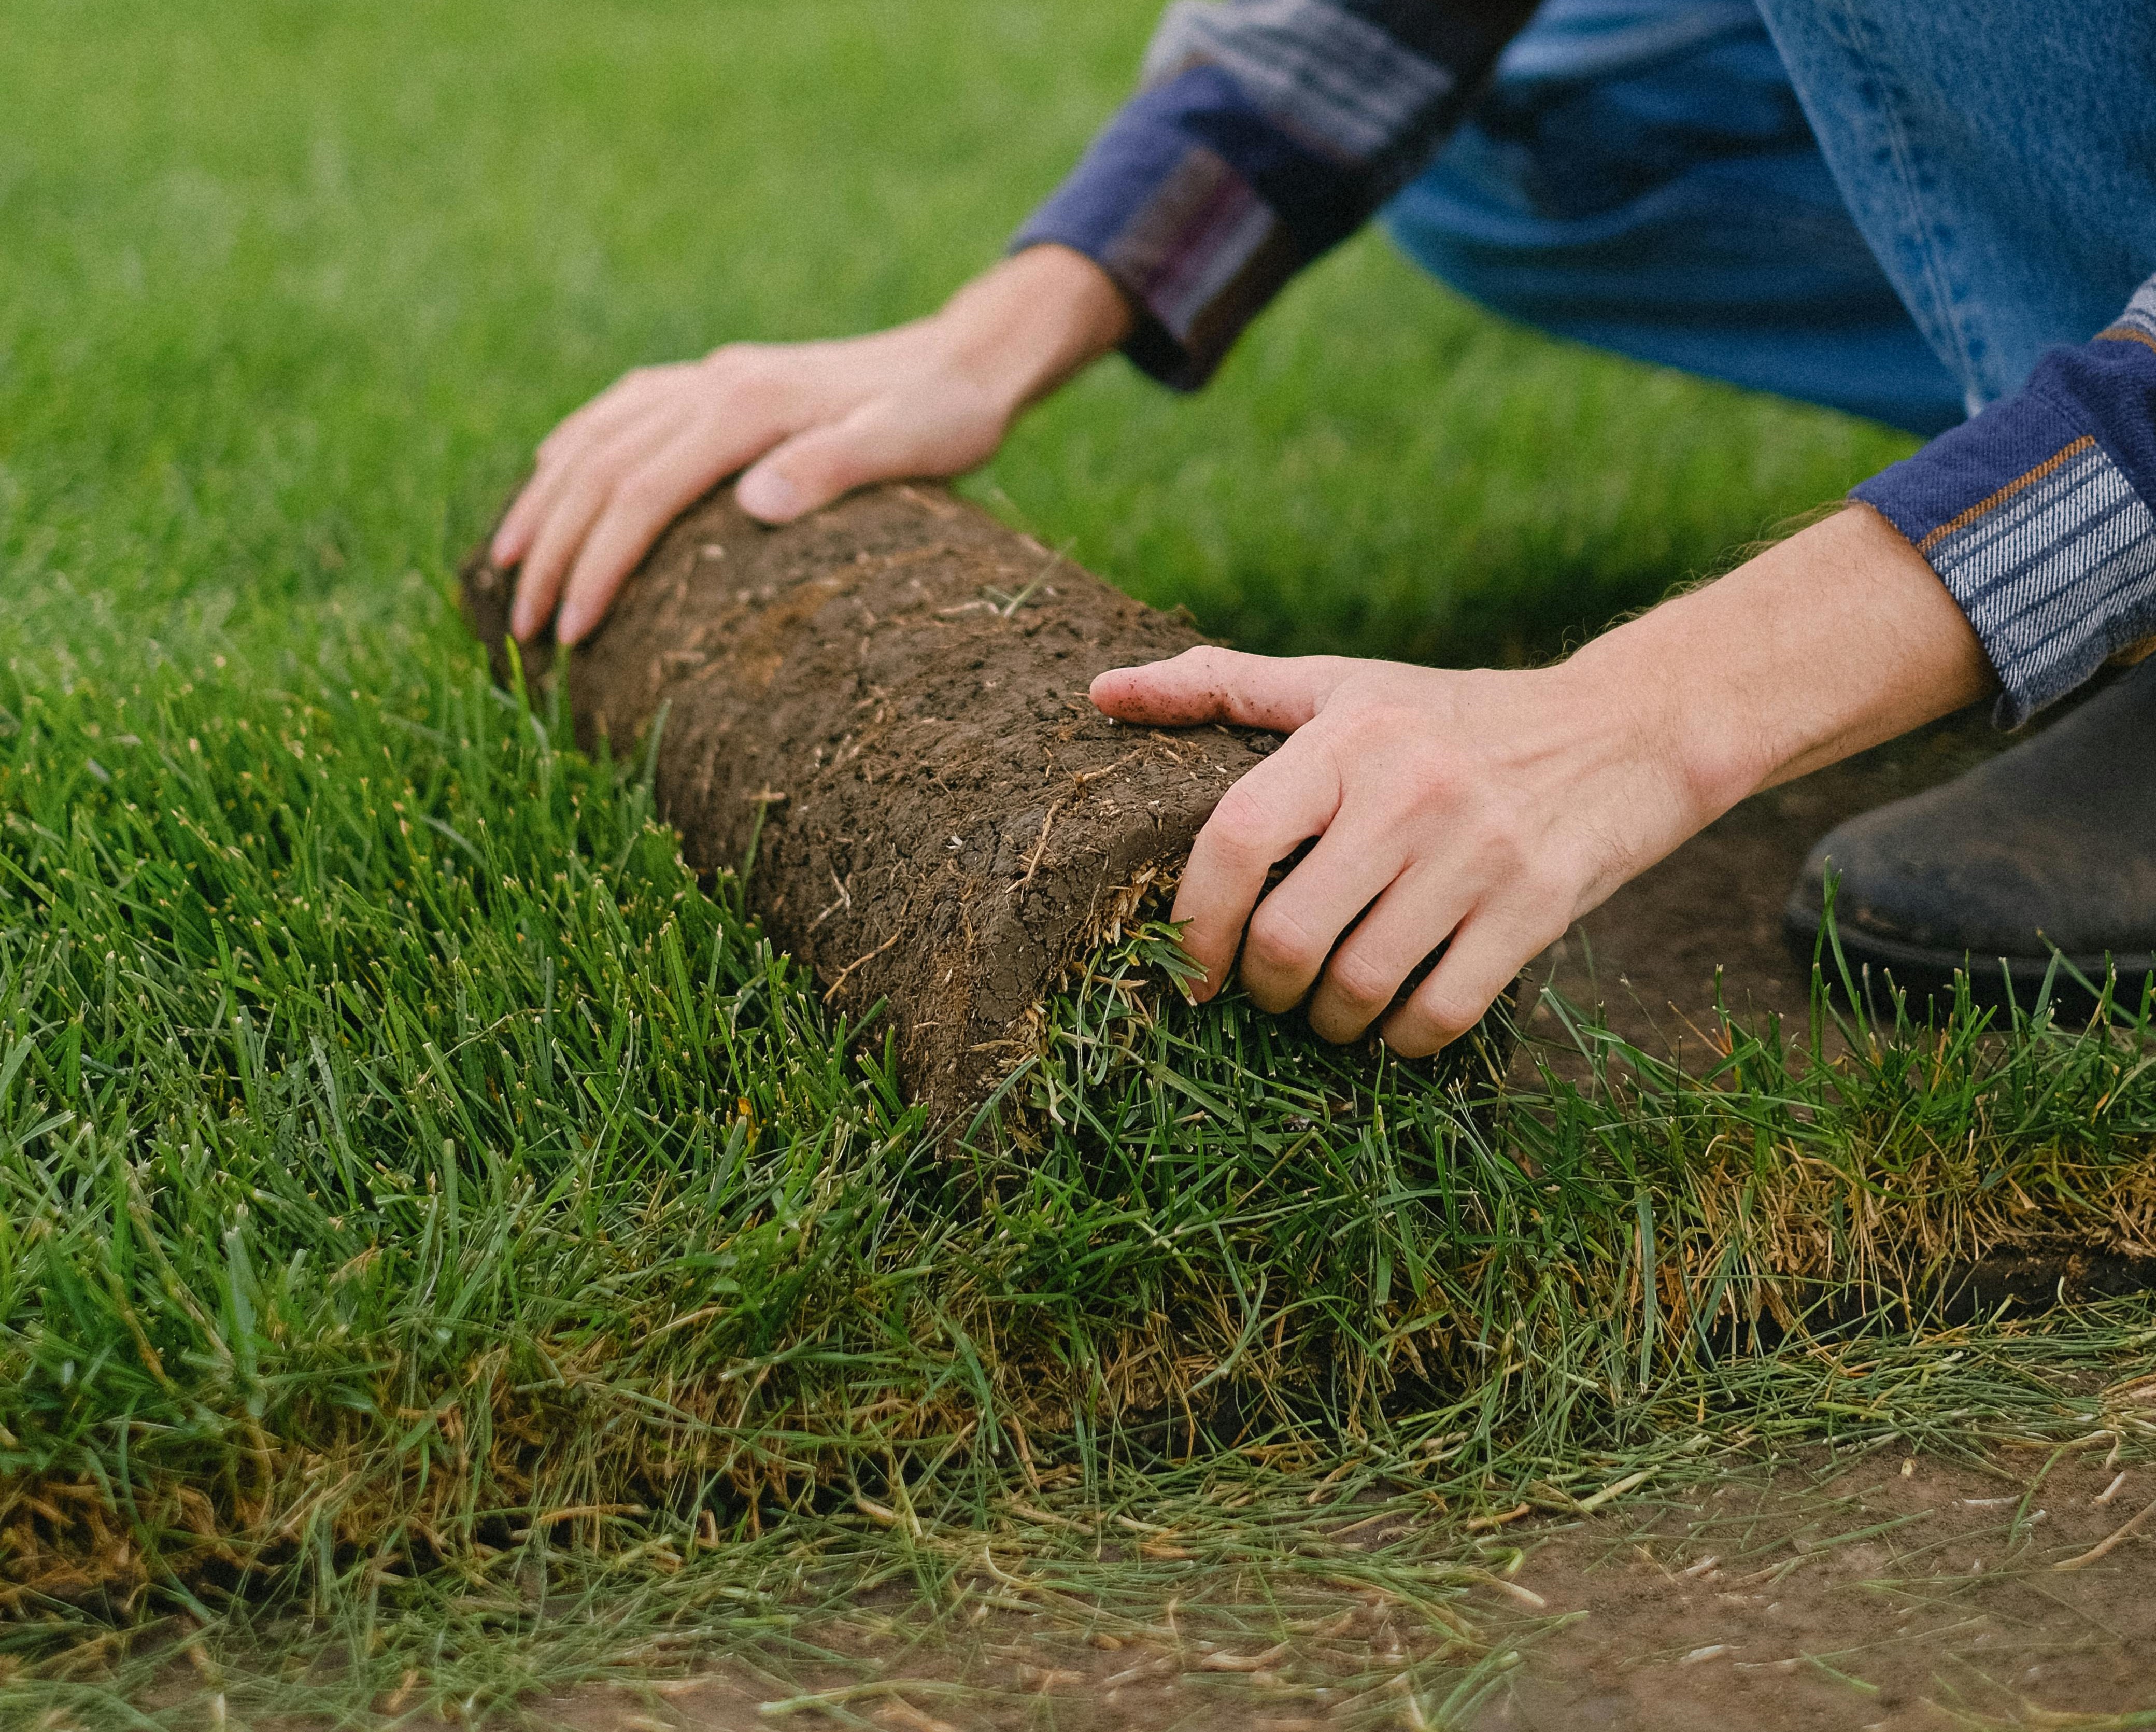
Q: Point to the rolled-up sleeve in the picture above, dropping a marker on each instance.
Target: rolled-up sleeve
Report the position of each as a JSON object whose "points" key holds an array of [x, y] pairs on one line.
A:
{"points": [[1265, 132], [2036, 514]]}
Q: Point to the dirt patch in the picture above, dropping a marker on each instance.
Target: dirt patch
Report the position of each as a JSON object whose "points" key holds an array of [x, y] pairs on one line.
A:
{"points": [[1875, 1598], [881, 710]]}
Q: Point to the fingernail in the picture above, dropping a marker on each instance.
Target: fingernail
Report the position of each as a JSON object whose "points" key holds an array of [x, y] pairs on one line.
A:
{"points": [[771, 497]]}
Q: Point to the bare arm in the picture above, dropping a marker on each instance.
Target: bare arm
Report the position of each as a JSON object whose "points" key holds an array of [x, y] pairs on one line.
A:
{"points": [[1490, 809]]}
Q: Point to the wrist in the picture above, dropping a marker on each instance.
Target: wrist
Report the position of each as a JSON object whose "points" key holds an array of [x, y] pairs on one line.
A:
{"points": [[1030, 323], [1834, 640]]}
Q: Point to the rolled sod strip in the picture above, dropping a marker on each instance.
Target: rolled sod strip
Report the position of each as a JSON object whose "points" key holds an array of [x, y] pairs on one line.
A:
{"points": [[879, 714]]}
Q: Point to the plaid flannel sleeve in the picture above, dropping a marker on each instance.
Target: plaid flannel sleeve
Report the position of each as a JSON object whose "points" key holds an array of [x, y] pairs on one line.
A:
{"points": [[2036, 514], [1265, 133]]}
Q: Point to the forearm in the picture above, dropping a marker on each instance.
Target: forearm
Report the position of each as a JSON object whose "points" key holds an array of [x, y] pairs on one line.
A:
{"points": [[1834, 640], [1031, 322]]}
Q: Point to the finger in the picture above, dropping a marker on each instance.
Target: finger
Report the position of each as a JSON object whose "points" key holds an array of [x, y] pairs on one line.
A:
{"points": [[560, 453], [1488, 950], [625, 400], [669, 477], [640, 506], [1297, 924], [1417, 912], [582, 494], [1288, 798], [513, 534], [1210, 684], [702, 439], [873, 444], [534, 504]]}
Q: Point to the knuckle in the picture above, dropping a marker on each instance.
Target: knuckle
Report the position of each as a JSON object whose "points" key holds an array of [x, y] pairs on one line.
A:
{"points": [[1438, 775], [1359, 982], [560, 445], [1389, 717], [1216, 666], [755, 395], [1240, 823], [1426, 780], [1508, 861], [1492, 840], [1278, 941], [1377, 720], [749, 379]]}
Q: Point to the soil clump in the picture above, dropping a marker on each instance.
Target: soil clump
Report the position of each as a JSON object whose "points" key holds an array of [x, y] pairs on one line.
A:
{"points": [[879, 715]]}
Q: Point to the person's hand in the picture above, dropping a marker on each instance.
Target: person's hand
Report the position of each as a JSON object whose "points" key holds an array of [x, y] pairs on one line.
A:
{"points": [[810, 421], [1486, 811]]}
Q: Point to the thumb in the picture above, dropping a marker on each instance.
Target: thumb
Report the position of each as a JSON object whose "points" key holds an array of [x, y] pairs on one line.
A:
{"points": [[876, 443], [806, 472], [1210, 684]]}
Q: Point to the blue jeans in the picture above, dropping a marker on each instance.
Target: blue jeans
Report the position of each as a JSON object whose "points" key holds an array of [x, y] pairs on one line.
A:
{"points": [[1892, 207]]}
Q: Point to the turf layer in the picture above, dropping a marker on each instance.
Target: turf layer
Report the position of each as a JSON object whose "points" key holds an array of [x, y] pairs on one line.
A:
{"points": [[400, 1145]]}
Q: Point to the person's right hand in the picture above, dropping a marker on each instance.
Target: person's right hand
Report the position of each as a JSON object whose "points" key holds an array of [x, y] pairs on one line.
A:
{"points": [[809, 421]]}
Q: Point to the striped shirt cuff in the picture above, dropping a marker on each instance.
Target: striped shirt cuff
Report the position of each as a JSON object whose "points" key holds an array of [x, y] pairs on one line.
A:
{"points": [[1176, 220], [2036, 514], [1268, 131]]}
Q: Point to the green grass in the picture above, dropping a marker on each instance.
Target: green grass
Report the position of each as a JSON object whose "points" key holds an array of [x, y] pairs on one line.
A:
{"points": [[398, 1149]]}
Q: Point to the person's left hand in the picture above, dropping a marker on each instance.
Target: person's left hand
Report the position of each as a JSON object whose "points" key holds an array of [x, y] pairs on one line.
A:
{"points": [[1489, 809], [1486, 811]]}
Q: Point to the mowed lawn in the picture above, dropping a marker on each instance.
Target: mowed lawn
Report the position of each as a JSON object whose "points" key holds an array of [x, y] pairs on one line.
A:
{"points": [[289, 292], [415, 1186]]}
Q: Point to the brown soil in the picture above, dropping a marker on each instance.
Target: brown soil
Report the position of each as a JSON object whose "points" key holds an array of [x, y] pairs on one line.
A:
{"points": [[886, 703], [1875, 1600]]}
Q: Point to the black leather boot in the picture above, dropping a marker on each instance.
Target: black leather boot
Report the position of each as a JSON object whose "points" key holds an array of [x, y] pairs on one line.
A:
{"points": [[2049, 845]]}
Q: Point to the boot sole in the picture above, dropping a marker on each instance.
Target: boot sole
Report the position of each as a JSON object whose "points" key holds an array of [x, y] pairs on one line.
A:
{"points": [[1925, 972]]}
